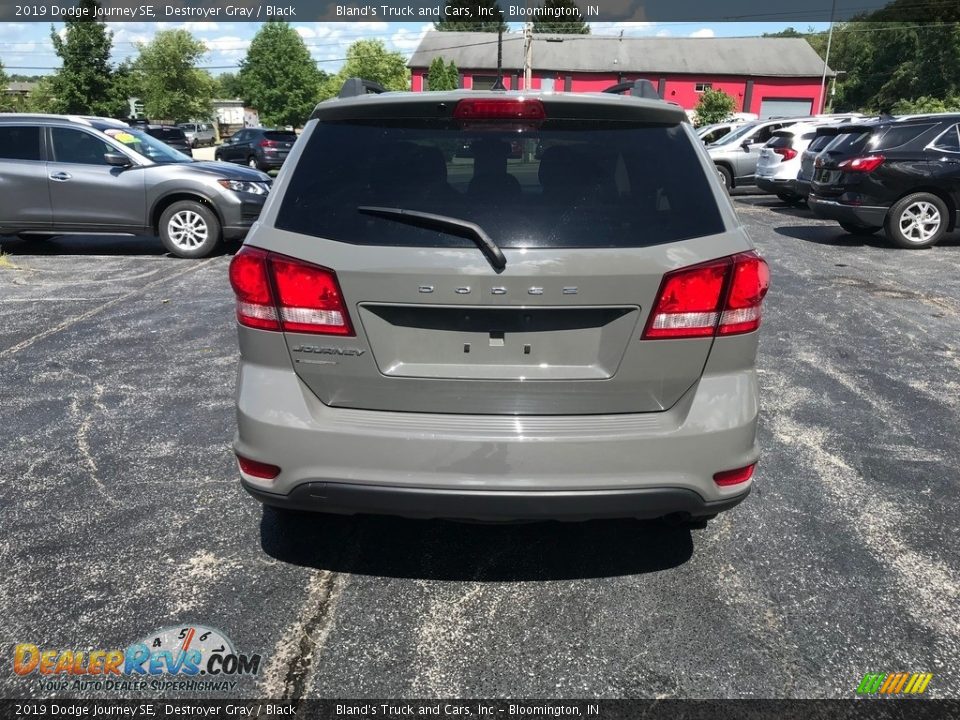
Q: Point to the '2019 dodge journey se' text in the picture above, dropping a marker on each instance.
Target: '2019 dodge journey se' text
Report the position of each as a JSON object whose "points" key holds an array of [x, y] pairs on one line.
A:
{"points": [[567, 332]]}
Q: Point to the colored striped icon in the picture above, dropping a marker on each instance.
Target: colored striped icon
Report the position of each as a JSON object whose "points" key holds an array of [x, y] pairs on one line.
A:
{"points": [[894, 683]]}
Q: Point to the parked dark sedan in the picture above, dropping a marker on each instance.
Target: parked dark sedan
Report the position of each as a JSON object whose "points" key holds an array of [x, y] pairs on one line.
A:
{"points": [[260, 148], [171, 135], [899, 175]]}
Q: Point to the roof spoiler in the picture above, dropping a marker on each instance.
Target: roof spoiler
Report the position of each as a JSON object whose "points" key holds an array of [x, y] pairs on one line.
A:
{"points": [[358, 86], [637, 88]]}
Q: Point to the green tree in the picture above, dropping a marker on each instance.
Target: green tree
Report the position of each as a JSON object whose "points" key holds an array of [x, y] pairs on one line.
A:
{"points": [[6, 102], [714, 106], [171, 86], [442, 76], [927, 104], [229, 86], [566, 25], [41, 99], [83, 83], [472, 15], [278, 77], [370, 60]]}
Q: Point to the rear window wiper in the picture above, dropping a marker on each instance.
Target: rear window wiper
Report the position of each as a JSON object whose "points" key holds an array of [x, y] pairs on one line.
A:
{"points": [[443, 223]]}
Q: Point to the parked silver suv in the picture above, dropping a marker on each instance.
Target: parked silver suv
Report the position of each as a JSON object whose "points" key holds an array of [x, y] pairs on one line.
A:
{"points": [[430, 333], [737, 153], [199, 133], [66, 174]]}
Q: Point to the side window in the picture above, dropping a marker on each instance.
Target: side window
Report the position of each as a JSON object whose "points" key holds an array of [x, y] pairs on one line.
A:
{"points": [[895, 136], [19, 143], [949, 141], [763, 134], [79, 147], [241, 136]]}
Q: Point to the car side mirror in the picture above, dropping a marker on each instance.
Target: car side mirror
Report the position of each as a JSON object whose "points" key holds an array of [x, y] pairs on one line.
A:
{"points": [[745, 145], [117, 159]]}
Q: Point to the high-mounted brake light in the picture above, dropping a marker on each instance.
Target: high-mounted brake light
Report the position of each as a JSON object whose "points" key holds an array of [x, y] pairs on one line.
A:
{"points": [[497, 109], [786, 153], [865, 164], [717, 297], [276, 292]]}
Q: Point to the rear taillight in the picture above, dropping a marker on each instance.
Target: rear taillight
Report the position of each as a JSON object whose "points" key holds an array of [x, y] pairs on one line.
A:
{"points": [[865, 164], [276, 292], [718, 297], [262, 470], [496, 109], [734, 477], [786, 153], [251, 284], [267, 143]]}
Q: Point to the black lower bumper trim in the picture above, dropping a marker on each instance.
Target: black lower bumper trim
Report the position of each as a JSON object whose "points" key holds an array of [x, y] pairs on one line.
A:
{"points": [[502, 505]]}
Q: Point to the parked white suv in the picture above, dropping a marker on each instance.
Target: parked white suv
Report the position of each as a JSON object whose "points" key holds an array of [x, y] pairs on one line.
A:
{"points": [[779, 161]]}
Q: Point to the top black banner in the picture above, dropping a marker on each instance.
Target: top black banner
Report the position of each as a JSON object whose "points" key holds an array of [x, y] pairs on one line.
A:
{"points": [[420, 11]]}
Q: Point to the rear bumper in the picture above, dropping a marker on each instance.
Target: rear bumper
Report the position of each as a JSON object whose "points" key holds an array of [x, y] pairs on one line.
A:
{"points": [[498, 466], [867, 215], [777, 186], [348, 499]]}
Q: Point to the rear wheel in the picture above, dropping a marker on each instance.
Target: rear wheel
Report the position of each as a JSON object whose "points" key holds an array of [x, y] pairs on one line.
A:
{"points": [[854, 229], [726, 176], [189, 229], [789, 198], [917, 221]]}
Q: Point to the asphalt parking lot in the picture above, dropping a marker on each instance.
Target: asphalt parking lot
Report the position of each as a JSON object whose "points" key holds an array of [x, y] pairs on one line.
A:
{"points": [[123, 513]]}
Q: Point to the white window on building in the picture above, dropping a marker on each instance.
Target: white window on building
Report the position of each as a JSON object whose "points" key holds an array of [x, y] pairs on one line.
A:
{"points": [[703, 87]]}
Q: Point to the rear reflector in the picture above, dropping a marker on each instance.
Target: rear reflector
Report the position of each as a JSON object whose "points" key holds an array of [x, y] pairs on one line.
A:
{"points": [[257, 469], [734, 477], [495, 109], [276, 292], [865, 164], [718, 297]]}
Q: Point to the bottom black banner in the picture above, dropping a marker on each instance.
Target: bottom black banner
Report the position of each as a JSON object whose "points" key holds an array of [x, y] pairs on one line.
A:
{"points": [[894, 709]]}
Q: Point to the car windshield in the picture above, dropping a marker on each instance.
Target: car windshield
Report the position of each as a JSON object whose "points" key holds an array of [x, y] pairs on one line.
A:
{"points": [[735, 135], [147, 146]]}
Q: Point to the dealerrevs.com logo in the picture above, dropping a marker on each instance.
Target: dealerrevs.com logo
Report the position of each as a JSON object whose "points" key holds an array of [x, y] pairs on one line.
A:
{"points": [[193, 657]]}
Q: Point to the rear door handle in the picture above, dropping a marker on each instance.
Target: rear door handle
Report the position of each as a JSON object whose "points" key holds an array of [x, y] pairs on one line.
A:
{"points": [[61, 176]]}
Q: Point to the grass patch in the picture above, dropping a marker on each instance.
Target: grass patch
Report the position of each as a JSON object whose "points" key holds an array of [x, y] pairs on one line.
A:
{"points": [[5, 262]]}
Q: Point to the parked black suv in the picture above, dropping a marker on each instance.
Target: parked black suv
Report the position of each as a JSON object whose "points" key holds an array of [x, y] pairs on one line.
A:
{"points": [[900, 175], [260, 148], [171, 135]]}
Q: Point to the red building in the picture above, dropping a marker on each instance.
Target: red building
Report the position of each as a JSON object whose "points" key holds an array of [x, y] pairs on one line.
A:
{"points": [[767, 76]]}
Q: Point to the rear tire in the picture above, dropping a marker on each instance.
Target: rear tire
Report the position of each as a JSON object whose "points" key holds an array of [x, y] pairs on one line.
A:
{"points": [[789, 199], [189, 229], [918, 220], [726, 176], [858, 229]]}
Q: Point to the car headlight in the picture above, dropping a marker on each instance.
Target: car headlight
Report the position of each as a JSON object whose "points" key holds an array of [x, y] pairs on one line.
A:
{"points": [[246, 186]]}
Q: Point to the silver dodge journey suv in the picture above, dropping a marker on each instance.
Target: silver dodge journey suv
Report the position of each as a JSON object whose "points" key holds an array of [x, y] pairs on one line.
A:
{"points": [[498, 306]]}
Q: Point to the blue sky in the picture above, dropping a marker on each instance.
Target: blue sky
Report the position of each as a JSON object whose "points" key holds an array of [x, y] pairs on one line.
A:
{"points": [[25, 48]]}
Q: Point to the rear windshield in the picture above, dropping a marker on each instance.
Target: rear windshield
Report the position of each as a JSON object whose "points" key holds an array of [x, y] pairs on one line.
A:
{"points": [[780, 141], [564, 184], [848, 143], [280, 136], [820, 142], [167, 133]]}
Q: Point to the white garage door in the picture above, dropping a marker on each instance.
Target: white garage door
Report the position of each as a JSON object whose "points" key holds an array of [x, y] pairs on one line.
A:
{"points": [[778, 107]]}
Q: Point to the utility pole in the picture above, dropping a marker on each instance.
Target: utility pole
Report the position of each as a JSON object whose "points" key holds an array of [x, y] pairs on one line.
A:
{"points": [[527, 55], [498, 85], [826, 59]]}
